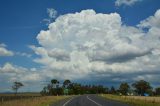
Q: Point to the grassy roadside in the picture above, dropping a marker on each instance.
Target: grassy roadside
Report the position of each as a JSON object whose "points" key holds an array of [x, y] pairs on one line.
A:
{"points": [[22, 94], [39, 101], [134, 100]]}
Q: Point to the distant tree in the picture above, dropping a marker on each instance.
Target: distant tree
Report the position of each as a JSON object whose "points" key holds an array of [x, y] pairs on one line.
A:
{"points": [[72, 88], [124, 88], [101, 89], [106, 90], [112, 90], [150, 92], [66, 83], [50, 89], [141, 87], [44, 91], [55, 90], [16, 86], [157, 91], [77, 88], [55, 83]]}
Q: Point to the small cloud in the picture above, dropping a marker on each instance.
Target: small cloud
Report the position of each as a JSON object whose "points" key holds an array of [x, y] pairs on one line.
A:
{"points": [[3, 45], [4, 51], [23, 54], [152, 21], [126, 2], [52, 14]]}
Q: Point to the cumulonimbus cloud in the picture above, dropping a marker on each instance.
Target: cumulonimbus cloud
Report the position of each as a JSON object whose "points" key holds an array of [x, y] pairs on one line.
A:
{"points": [[87, 43], [93, 46]]}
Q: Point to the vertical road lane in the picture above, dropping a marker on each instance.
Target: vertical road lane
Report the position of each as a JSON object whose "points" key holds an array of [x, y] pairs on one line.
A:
{"points": [[88, 100], [93, 101]]}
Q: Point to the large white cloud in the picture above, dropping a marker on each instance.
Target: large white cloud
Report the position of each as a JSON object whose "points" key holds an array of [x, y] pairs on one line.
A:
{"points": [[94, 45], [4, 51]]}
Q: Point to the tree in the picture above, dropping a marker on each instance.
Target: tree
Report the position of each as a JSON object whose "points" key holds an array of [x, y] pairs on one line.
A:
{"points": [[73, 88], [50, 90], [124, 88], [112, 90], [16, 86], [66, 83], [157, 91], [44, 91], [55, 90], [141, 87], [55, 83]]}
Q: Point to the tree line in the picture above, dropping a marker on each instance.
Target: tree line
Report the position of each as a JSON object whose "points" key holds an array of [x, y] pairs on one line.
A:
{"points": [[68, 88]]}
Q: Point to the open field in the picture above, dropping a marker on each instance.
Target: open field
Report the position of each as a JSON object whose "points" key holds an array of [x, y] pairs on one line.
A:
{"points": [[135, 100], [38, 101], [8, 97], [21, 94]]}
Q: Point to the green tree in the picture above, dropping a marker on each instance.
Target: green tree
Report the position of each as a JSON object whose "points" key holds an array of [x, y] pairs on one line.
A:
{"points": [[142, 87], [157, 91], [50, 89], [55, 90], [66, 83], [16, 86], [77, 88], [55, 83], [44, 91], [124, 88], [112, 90]]}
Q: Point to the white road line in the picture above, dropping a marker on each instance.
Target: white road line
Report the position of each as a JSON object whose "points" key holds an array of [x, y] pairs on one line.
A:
{"points": [[93, 101], [68, 101]]}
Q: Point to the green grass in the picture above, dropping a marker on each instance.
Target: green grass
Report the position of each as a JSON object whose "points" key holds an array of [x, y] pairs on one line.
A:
{"points": [[134, 100]]}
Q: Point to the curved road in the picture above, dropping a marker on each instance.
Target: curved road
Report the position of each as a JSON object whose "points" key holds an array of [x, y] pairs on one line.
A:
{"points": [[88, 100]]}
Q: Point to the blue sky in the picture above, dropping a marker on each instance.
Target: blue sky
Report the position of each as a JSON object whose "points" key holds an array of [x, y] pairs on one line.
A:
{"points": [[21, 22]]}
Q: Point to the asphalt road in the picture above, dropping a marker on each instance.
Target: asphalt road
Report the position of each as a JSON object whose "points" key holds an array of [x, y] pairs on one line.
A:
{"points": [[88, 100]]}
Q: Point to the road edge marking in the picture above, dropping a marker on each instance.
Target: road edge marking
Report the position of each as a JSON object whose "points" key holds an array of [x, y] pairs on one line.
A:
{"points": [[93, 101], [68, 101]]}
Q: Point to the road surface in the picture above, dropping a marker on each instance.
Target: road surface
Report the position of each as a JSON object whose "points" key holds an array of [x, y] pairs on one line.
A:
{"points": [[88, 100]]}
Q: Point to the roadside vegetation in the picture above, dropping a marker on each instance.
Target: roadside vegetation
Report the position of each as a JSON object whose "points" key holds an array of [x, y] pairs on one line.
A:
{"points": [[38, 101], [9, 97], [134, 100], [140, 93]]}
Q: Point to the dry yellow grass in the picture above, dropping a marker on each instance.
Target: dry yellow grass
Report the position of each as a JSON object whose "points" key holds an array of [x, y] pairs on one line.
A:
{"points": [[39, 101], [143, 98], [22, 94], [135, 100]]}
